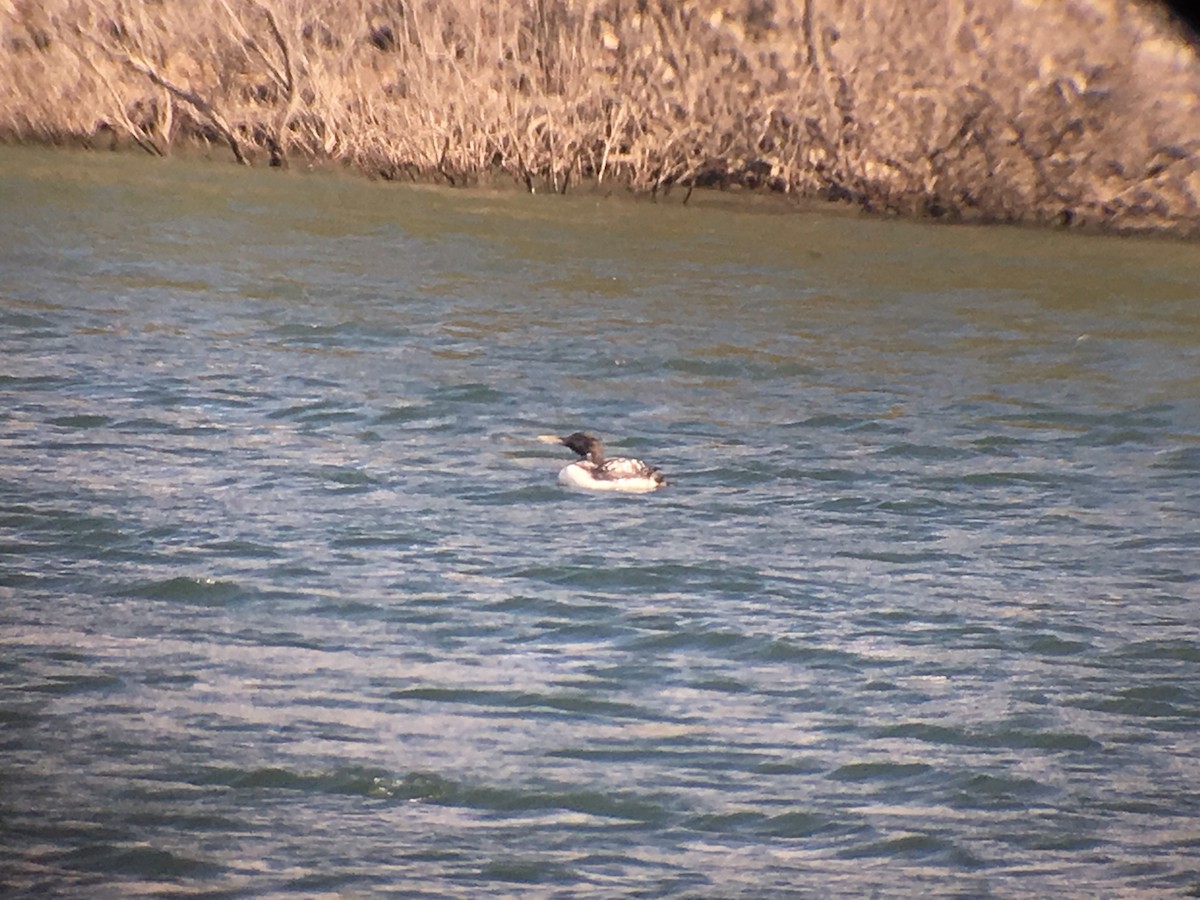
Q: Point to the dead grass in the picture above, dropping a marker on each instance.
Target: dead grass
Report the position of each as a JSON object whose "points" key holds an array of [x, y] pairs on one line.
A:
{"points": [[1084, 112]]}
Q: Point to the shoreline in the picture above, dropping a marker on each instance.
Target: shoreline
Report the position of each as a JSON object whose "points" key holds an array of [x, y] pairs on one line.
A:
{"points": [[735, 199], [1083, 117]]}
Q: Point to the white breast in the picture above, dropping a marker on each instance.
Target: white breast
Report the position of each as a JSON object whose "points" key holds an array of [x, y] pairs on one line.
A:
{"points": [[581, 476]]}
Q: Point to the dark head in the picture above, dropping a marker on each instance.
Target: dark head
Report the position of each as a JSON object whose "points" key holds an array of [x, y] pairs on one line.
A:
{"points": [[585, 446]]}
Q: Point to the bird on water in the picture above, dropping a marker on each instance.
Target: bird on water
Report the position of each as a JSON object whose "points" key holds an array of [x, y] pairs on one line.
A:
{"points": [[592, 472]]}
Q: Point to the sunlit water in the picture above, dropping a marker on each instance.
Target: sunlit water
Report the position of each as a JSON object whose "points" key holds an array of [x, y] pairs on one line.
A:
{"points": [[291, 601]]}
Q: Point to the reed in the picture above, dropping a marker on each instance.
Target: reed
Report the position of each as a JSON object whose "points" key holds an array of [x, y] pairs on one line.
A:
{"points": [[1081, 113]]}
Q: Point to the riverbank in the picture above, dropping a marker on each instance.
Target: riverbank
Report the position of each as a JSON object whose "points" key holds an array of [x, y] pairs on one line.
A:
{"points": [[1080, 114]]}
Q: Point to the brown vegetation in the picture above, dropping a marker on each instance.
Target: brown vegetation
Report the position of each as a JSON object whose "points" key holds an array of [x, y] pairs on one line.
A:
{"points": [[1085, 111]]}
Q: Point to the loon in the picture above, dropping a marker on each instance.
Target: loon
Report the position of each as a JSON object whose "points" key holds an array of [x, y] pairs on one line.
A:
{"points": [[592, 472]]}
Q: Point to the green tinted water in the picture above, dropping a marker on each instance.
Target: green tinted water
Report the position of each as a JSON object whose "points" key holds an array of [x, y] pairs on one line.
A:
{"points": [[291, 602]]}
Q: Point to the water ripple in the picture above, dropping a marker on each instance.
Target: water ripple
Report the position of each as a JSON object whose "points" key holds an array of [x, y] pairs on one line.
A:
{"points": [[292, 603]]}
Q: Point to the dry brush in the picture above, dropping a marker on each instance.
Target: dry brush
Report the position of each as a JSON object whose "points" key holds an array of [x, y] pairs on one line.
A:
{"points": [[1084, 112]]}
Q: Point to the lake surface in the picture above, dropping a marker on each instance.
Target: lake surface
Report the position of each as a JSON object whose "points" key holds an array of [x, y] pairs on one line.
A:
{"points": [[291, 602]]}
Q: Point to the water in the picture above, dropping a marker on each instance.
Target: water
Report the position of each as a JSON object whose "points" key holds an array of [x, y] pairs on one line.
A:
{"points": [[291, 602]]}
